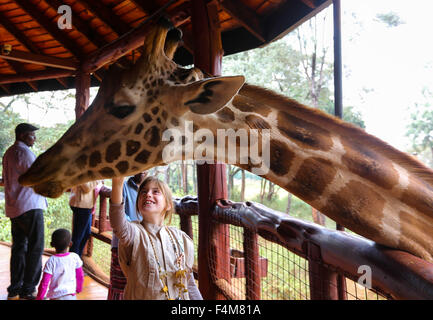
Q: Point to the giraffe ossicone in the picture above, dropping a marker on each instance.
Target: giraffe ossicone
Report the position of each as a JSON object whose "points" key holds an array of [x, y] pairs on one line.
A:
{"points": [[354, 178]]}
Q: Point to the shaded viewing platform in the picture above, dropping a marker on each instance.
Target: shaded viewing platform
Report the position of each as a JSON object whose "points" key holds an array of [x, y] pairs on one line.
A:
{"points": [[92, 290]]}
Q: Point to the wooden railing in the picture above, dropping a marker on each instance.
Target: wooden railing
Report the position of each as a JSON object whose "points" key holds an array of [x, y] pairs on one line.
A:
{"points": [[100, 230], [330, 254]]}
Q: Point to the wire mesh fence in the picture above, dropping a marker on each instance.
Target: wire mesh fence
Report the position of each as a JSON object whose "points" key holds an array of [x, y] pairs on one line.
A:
{"points": [[276, 274]]}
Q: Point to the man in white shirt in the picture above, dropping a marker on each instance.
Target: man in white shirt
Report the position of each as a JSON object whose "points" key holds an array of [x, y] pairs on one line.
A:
{"points": [[25, 209]]}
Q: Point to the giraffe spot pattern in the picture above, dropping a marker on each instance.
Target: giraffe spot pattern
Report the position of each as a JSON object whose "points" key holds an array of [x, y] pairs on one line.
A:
{"points": [[70, 172], [312, 178], [304, 133], [418, 196], [164, 114], [245, 104], [152, 136], [113, 152], [281, 157], [139, 128], [91, 174], [415, 228], [370, 165], [225, 115], [81, 161], [107, 172], [353, 204], [122, 166], [256, 122], [155, 110], [147, 118], [95, 159], [143, 156], [132, 147]]}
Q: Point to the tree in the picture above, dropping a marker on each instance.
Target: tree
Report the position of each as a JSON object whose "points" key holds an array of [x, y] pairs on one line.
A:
{"points": [[420, 129], [304, 74], [47, 136], [390, 19]]}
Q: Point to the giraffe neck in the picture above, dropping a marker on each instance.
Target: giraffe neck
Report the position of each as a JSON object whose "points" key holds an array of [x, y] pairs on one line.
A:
{"points": [[349, 175]]}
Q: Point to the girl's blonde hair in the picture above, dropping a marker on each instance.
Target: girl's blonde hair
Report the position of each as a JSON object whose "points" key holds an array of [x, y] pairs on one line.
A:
{"points": [[166, 192]]}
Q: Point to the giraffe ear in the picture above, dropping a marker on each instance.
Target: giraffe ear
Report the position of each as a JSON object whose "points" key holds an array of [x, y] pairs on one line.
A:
{"points": [[209, 95]]}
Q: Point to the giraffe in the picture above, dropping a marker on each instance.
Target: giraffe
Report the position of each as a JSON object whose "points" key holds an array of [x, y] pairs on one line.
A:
{"points": [[349, 175]]}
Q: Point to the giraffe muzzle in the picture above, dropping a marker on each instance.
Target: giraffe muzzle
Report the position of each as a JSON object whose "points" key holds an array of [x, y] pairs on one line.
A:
{"points": [[51, 189]]}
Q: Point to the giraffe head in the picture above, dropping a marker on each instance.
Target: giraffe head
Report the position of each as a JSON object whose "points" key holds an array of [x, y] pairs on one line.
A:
{"points": [[120, 133]]}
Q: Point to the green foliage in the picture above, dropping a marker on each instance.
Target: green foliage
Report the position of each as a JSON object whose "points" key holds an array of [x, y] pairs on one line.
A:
{"points": [[9, 121], [57, 215], [420, 129], [390, 19], [47, 136], [5, 224], [280, 67]]}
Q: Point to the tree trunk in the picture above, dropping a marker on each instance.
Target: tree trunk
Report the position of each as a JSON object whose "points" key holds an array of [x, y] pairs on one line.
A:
{"points": [[318, 217], [184, 170], [262, 189], [194, 177], [289, 202], [271, 191], [167, 175], [243, 186], [230, 181]]}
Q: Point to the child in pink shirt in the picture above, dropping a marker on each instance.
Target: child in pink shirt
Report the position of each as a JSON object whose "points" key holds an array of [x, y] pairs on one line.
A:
{"points": [[63, 273]]}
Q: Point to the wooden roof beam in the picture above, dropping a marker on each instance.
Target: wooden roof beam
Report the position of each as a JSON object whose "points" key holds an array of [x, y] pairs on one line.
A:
{"points": [[131, 40], [292, 13], [18, 69], [14, 31], [35, 75], [146, 6], [47, 61], [245, 16], [50, 27], [309, 3], [178, 15], [110, 19], [5, 88], [20, 37], [81, 26]]}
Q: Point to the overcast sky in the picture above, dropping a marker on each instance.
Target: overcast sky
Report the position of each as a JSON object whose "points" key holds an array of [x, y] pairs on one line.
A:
{"points": [[385, 68], [395, 63]]}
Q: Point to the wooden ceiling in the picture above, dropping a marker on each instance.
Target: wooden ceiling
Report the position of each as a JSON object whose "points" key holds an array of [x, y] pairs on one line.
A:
{"points": [[38, 46]]}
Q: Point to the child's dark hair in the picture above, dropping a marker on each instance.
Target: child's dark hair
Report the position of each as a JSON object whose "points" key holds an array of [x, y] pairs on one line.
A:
{"points": [[60, 239]]}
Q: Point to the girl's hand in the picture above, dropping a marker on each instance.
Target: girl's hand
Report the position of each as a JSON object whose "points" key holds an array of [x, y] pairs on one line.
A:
{"points": [[116, 190]]}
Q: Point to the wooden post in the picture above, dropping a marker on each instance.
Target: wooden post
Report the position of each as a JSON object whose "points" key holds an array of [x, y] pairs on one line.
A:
{"points": [[252, 265], [186, 224], [211, 178], [82, 97], [82, 93], [323, 282]]}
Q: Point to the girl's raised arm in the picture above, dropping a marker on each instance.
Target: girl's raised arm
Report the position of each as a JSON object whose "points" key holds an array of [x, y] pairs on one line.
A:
{"points": [[116, 190]]}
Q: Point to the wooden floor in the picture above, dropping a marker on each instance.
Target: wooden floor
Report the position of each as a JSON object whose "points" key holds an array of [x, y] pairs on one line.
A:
{"points": [[92, 290]]}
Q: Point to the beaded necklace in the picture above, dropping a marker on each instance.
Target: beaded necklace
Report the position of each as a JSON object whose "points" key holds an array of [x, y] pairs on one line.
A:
{"points": [[179, 274]]}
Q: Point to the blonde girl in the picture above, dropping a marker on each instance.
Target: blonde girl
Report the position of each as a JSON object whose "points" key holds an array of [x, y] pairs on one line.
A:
{"points": [[155, 258]]}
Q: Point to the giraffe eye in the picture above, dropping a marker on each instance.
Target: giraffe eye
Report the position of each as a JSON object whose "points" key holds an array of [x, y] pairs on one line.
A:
{"points": [[121, 111]]}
